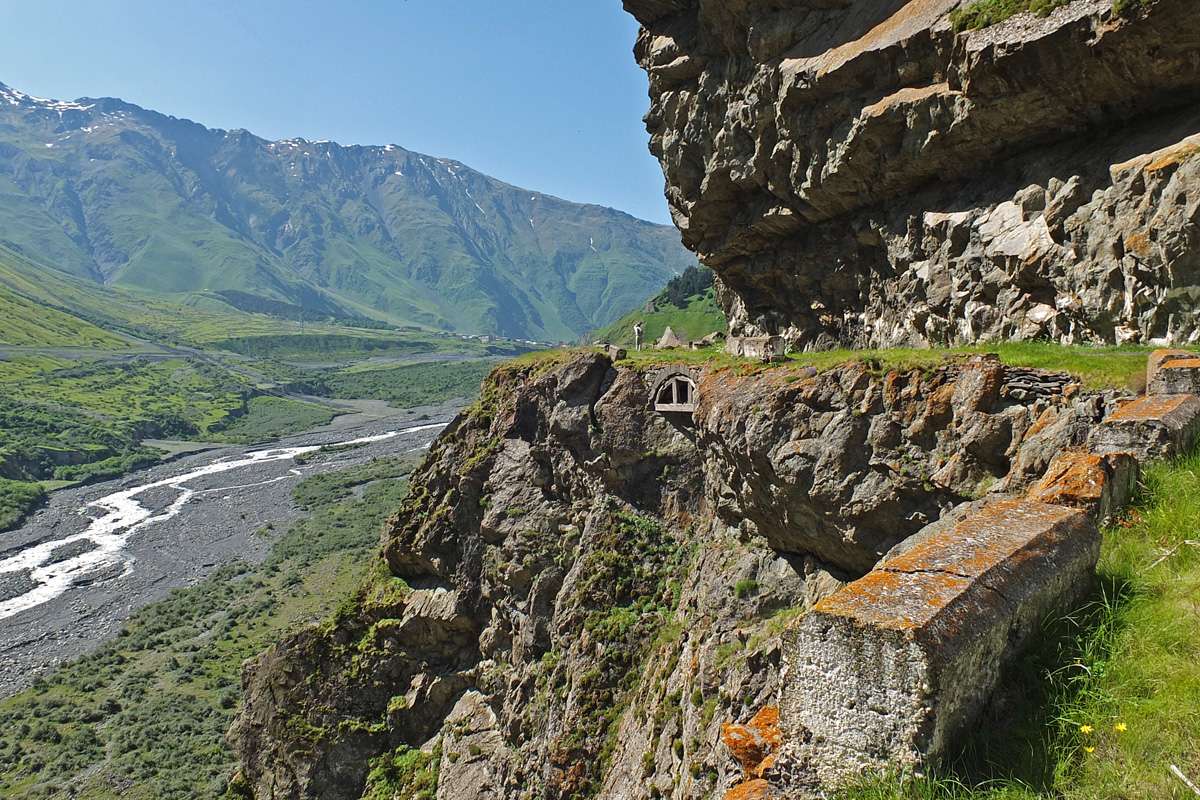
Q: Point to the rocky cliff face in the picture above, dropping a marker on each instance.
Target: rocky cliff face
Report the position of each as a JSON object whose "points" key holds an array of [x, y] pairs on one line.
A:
{"points": [[581, 590], [859, 173]]}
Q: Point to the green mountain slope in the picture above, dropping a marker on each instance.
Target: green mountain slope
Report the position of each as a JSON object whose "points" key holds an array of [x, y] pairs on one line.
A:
{"points": [[27, 324], [688, 305], [119, 195]]}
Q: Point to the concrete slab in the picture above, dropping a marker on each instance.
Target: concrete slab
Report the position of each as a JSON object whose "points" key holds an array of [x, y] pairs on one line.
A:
{"points": [[1100, 485], [1151, 427], [889, 671]]}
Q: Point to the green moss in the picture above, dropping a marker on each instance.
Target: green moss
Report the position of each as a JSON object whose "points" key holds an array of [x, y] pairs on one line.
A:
{"points": [[404, 774], [745, 588], [982, 13]]}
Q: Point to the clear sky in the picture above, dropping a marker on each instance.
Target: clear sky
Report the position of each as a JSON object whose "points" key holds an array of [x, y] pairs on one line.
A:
{"points": [[540, 93]]}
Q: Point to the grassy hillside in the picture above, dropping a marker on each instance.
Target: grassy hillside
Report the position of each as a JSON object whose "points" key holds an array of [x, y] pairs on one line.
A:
{"points": [[25, 323], [173, 208], [144, 717], [196, 320], [688, 305]]}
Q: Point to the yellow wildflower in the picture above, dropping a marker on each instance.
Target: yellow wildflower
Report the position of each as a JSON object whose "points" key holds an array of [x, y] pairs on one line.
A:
{"points": [[1120, 727], [1086, 729], [1089, 749]]}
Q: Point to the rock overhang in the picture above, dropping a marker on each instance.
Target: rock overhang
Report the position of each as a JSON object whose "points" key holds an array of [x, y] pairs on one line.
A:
{"points": [[805, 143]]}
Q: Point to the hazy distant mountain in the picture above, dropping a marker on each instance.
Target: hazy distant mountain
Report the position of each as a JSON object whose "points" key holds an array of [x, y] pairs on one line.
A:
{"points": [[121, 195]]}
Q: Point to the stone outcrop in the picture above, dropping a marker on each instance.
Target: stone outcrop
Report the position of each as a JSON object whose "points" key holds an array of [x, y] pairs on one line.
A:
{"points": [[1151, 427], [579, 591], [858, 173]]}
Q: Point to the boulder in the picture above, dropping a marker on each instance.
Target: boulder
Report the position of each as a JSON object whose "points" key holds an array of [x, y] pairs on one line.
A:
{"points": [[1175, 374], [1151, 427], [1101, 485]]}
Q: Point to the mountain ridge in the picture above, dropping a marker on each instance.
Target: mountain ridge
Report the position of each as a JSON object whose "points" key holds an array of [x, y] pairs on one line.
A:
{"points": [[108, 190]]}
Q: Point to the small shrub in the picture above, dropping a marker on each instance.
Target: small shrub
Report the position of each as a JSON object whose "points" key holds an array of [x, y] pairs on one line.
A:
{"points": [[744, 588]]}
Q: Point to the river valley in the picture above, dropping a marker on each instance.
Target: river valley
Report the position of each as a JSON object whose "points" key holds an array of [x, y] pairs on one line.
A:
{"points": [[72, 575]]}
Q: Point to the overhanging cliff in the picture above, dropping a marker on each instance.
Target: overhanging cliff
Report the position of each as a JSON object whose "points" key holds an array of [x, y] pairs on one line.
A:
{"points": [[859, 173]]}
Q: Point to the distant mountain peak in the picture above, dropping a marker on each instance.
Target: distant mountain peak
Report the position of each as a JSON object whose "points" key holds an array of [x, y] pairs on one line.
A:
{"points": [[120, 194]]}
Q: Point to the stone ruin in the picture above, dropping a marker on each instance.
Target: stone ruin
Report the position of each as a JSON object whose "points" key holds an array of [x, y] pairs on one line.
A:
{"points": [[892, 669], [757, 348], [675, 392]]}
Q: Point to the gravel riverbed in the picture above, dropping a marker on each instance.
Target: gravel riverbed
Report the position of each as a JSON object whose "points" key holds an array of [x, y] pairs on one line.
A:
{"points": [[194, 526]]}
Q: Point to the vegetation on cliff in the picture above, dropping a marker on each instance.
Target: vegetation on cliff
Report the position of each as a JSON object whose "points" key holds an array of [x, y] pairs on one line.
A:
{"points": [[687, 305]]}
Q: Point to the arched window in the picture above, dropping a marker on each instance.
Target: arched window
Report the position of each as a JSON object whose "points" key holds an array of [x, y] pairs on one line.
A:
{"points": [[676, 393]]}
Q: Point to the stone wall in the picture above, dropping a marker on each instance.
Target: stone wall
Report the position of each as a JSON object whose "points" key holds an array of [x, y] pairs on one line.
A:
{"points": [[891, 670]]}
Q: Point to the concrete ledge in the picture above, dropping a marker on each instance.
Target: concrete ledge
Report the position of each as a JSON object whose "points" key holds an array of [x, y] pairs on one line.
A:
{"points": [[1101, 485], [1151, 427], [891, 669]]}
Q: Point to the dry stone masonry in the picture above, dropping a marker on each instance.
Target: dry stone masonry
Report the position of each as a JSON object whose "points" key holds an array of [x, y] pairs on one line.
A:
{"points": [[890, 670], [858, 173]]}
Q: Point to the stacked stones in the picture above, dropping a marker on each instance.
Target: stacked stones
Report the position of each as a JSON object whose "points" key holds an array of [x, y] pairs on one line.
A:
{"points": [[889, 671]]}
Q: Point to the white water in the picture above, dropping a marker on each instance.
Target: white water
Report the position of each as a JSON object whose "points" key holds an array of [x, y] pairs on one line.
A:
{"points": [[124, 516]]}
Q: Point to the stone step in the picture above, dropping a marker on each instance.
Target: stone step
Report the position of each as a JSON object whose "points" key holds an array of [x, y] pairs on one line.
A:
{"points": [[1150, 427], [891, 670], [1101, 485]]}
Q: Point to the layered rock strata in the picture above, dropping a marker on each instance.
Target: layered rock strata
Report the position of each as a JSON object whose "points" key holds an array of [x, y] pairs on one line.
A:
{"points": [[858, 173], [580, 591]]}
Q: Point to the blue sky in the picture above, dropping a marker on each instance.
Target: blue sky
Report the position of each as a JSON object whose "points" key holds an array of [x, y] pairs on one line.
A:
{"points": [[541, 93]]}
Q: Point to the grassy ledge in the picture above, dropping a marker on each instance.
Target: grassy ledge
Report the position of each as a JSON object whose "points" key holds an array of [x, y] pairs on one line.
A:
{"points": [[1095, 367], [983, 13]]}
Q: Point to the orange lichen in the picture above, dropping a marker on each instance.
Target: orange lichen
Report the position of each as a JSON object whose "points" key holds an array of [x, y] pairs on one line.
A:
{"points": [[1074, 479], [753, 742], [753, 745], [1138, 243], [755, 789], [910, 591], [1153, 407], [1049, 416]]}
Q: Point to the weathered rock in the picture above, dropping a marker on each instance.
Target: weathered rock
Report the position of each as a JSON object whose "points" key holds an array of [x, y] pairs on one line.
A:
{"points": [[1179, 375], [1151, 427], [1155, 362], [857, 173], [583, 570], [756, 348], [1101, 485], [888, 671]]}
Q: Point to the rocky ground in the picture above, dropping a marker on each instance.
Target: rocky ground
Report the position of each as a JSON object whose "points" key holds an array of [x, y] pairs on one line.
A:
{"points": [[221, 523]]}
